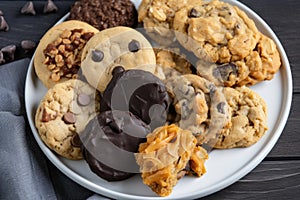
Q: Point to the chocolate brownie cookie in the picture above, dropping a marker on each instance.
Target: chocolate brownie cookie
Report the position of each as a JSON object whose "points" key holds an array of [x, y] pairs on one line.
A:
{"points": [[58, 55], [118, 46], [200, 105], [63, 113], [103, 14], [248, 118], [220, 33]]}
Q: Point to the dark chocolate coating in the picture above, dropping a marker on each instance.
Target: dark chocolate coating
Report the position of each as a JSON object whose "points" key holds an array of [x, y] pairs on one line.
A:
{"points": [[109, 142], [139, 92]]}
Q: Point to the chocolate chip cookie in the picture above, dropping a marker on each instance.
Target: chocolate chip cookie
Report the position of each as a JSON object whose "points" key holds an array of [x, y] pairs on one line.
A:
{"points": [[220, 33], [58, 55], [103, 14], [169, 154], [200, 107], [63, 113], [157, 17], [248, 118], [118, 46]]}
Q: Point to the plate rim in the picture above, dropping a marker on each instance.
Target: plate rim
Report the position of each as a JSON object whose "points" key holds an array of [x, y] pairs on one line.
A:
{"points": [[284, 114]]}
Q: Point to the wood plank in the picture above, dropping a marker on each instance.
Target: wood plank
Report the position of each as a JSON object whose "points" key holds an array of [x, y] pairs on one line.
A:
{"points": [[285, 22], [289, 142], [270, 180]]}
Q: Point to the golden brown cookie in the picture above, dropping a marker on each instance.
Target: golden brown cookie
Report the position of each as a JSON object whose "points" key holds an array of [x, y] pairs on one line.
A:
{"points": [[63, 113], [58, 55], [200, 106], [118, 46], [157, 17], [166, 156], [248, 118], [226, 38]]}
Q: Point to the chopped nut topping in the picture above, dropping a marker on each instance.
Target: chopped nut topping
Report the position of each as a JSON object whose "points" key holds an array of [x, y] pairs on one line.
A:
{"points": [[63, 56]]}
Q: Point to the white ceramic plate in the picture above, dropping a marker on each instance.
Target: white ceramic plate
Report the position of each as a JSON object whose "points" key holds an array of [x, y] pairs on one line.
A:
{"points": [[224, 167]]}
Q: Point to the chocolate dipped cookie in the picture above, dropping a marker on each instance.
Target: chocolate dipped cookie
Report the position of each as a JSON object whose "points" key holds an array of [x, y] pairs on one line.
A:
{"points": [[109, 143], [139, 92]]}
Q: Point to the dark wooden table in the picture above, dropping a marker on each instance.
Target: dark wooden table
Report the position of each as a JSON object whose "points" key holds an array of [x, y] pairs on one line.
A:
{"points": [[278, 176]]}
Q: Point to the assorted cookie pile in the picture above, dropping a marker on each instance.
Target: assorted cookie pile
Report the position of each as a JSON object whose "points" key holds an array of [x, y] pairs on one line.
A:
{"points": [[153, 103]]}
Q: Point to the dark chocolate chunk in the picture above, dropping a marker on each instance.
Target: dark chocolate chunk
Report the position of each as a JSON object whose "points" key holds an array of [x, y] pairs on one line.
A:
{"points": [[117, 70], [139, 92], [28, 45], [69, 118], [50, 7], [97, 55], [75, 141], [28, 8], [220, 107], [225, 70], [2, 60], [194, 13], [3, 24], [134, 46], [9, 52], [109, 143], [83, 99]]}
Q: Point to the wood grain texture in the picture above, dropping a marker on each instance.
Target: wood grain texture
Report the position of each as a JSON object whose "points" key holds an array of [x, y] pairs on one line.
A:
{"points": [[278, 176]]}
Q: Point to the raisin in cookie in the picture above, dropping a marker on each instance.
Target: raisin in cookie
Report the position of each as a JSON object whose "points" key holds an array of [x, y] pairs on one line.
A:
{"points": [[118, 46], [168, 154], [103, 14], [200, 107], [58, 55], [220, 33], [248, 118], [63, 113]]}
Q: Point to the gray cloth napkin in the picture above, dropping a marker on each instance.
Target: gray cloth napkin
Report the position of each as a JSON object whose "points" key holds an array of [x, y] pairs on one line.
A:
{"points": [[25, 172]]}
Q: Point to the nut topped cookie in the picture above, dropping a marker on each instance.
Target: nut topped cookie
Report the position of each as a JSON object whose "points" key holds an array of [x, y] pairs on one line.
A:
{"points": [[169, 154], [118, 46], [63, 113], [58, 55]]}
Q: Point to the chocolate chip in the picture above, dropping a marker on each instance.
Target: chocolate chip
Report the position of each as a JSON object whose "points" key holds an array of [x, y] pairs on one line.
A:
{"points": [[194, 13], [2, 60], [117, 70], [1, 13], [220, 107], [3, 24], [28, 9], [134, 46], [50, 7], [46, 117], [9, 52], [75, 141], [69, 118], [28, 45], [97, 55], [83, 99]]}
